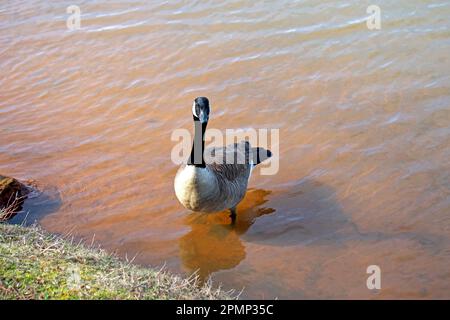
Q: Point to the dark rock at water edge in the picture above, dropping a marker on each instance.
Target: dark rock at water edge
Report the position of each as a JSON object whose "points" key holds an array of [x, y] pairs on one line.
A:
{"points": [[12, 195]]}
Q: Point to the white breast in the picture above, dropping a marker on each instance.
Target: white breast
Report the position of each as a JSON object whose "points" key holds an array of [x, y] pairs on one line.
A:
{"points": [[196, 188]]}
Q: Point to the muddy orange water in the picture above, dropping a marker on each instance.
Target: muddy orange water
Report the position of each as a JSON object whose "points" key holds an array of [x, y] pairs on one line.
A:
{"points": [[364, 119]]}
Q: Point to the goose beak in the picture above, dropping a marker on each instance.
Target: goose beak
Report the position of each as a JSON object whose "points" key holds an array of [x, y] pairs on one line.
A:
{"points": [[203, 117]]}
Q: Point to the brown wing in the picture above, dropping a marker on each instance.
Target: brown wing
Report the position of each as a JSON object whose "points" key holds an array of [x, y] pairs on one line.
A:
{"points": [[230, 162]]}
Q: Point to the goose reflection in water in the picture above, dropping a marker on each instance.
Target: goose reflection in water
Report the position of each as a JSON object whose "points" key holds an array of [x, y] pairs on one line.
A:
{"points": [[213, 244]]}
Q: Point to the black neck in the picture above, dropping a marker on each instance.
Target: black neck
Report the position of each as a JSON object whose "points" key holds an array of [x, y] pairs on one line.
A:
{"points": [[198, 147]]}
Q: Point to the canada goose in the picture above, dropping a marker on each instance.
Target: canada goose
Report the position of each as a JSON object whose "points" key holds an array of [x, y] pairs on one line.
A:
{"points": [[207, 183]]}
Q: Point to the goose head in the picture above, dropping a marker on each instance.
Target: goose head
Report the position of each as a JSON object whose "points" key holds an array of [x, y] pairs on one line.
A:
{"points": [[201, 109]]}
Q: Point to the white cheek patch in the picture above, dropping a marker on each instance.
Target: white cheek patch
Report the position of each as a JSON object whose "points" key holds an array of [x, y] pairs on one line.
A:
{"points": [[193, 110]]}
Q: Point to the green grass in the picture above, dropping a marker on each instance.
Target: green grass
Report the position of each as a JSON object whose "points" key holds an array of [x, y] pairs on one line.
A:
{"points": [[38, 265]]}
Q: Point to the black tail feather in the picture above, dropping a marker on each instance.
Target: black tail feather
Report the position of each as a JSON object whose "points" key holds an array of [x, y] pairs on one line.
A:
{"points": [[260, 154]]}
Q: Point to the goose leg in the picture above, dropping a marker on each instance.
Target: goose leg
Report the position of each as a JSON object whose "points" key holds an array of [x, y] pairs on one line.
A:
{"points": [[233, 215]]}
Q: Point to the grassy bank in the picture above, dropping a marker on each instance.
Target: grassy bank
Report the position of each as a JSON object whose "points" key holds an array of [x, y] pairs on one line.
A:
{"points": [[37, 265]]}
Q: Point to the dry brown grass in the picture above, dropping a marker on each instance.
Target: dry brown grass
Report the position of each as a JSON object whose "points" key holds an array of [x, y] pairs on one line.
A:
{"points": [[12, 209], [38, 265]]}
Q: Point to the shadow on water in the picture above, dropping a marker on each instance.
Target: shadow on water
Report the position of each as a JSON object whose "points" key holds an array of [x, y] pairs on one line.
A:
{"points": [[42, 201], [307, 213], [214, 244]]}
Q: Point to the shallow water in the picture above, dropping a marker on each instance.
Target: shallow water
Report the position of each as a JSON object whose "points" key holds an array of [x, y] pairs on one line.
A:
{"points": [[364, 119]]}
